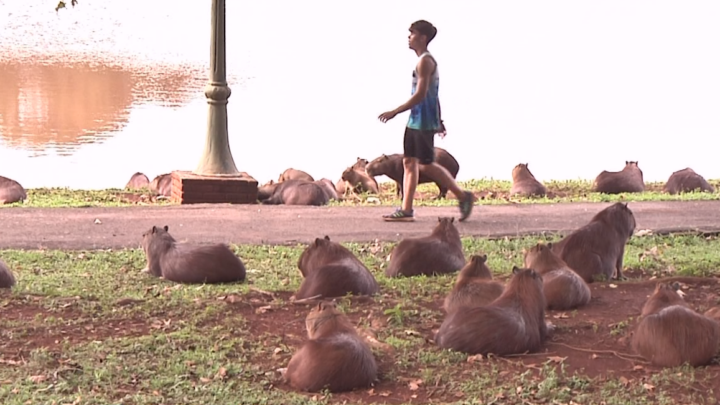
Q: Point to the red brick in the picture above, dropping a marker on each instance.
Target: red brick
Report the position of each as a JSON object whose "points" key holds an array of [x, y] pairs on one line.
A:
{"points": [[189, 188]]}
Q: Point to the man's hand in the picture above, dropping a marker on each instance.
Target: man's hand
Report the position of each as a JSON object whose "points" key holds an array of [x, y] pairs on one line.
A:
{"points": [[442, 132], [387, 116]]}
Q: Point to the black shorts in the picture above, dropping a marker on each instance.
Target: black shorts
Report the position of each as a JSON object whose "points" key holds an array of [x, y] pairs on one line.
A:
{"points": [[420, 144]]}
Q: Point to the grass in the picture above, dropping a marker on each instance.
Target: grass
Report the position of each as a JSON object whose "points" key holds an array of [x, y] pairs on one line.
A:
{"points": [[187, 344], [489, 191]]}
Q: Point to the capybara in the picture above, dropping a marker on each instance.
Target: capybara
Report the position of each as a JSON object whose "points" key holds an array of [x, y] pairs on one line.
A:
{"points": [[392, 166], [137, 181], [162, 185], [298, 192], [7, 279], [525, 184], [11, 191], [514, 323], [335, 357], [597, 249], [670, 333], [331, 270], [328, 187], [474, 286], [266, 190], [341, 187], [360, 164], [685, 181], [359, 181], [562, 286], [440, 252], [628, 180], [188, 263], [294, 174]]}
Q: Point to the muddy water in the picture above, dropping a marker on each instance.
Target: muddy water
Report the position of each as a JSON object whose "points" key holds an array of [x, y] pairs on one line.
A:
{"points": [[91, 94]]}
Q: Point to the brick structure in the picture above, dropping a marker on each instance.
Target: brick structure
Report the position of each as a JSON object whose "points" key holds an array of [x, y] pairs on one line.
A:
{"points": [[189, 188]]}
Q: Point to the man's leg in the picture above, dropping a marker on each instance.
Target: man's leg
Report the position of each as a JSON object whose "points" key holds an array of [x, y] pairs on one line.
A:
{"points": [[465, 198], [412, 144], [410, 181]]}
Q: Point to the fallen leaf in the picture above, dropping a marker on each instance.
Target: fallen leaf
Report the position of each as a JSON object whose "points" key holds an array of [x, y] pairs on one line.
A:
{"points": [[97, 221], [264, 309], [415, 384], [473, 359], [624, 381], [37, 378], [562, 315], [205, 380], [612, 285], [222, 372], [648, 387], [556, 359]]}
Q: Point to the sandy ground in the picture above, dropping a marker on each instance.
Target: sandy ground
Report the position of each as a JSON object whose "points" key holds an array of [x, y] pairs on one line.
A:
{"points": [[101, 228]]}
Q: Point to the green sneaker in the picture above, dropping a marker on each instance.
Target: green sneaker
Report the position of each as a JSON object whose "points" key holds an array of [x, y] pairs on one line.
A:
{"points": [[400, 216], [466, 205]]}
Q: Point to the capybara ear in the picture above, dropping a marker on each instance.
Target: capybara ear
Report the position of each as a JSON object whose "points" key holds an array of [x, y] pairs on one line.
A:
{"points": [[452, 219], [516, 270], [625, 204], [327, 237], [527, 164], [484, 258], [165, 228], [318, 241], [549, 245], [154, 229], [675, 286]]}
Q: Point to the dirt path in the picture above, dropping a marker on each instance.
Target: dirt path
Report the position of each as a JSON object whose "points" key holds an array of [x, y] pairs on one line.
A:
{"points": [[76, 228]]}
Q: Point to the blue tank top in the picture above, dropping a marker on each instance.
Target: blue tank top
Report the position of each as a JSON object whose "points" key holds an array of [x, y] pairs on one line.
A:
{"points": [[425, 116]]}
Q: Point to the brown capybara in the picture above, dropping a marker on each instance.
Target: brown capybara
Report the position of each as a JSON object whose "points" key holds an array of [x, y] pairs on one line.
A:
{"points": [[298, 192], [137, 181], [328, 187], [392, 166], [266, 190], [671, 334], [514, 323], [331, 270], [438, 253], [628, 180], [335, 357], [474, 286], [360, 164], [294, 174], [686, 181], [7, 279], [359, 182], [162, 185], [188, 263], [597, 249], [562, 286], [525, 184], [341, 187], [11, 191]]}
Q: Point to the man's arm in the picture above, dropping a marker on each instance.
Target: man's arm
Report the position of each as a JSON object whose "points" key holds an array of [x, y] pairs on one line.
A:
{"points": [[424, 68]]}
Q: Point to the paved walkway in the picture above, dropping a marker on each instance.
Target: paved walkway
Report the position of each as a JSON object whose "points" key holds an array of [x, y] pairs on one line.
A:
{"points": [[102, 228]]}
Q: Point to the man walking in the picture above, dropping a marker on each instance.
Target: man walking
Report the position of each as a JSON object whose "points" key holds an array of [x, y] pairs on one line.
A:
{"points": [[425, 121]]}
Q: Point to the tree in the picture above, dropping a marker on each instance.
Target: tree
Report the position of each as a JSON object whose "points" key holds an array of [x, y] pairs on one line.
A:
{"points": [[62, 4]]}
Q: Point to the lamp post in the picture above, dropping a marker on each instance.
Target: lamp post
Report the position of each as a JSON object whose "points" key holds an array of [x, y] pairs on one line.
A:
{"points": [[216, 159], [216, 178]]}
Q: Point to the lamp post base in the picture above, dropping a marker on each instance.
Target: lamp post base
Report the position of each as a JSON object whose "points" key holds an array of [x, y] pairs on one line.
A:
{"points": [[191, 188]]}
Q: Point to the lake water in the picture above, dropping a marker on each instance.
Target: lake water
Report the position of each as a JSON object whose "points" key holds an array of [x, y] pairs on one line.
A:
{"points": [[91, 94]]}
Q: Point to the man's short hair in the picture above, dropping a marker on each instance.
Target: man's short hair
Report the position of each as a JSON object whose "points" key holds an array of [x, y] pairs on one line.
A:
{"points": [[424, 28]]}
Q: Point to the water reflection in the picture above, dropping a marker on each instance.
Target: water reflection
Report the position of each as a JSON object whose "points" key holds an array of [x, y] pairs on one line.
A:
{"points": [[64, 105]]}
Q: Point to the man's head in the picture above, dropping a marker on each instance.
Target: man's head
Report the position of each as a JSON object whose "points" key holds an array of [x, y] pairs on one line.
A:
{"points": [[421, 33]]}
